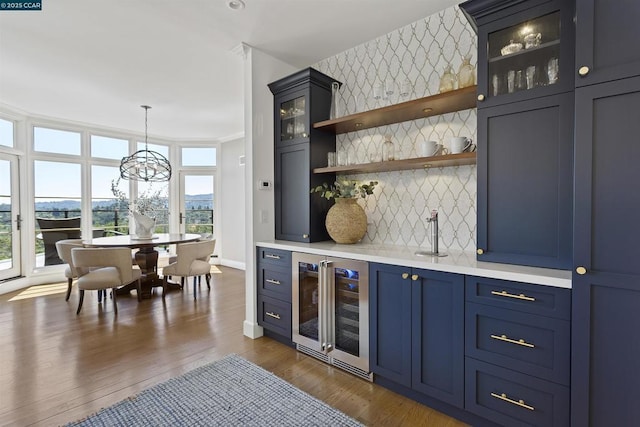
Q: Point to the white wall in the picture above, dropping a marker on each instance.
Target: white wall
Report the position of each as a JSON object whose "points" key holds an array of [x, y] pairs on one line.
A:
{"points": [[232, 204], [260, 69]]}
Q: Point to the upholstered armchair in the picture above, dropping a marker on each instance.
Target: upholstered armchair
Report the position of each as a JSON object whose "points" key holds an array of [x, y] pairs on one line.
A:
{"points": [[192, 260], [63, 247], [104, 268]]}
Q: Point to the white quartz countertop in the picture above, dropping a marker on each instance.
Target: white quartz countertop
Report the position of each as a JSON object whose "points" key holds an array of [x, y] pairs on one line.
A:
{"points": [[455, 262]]}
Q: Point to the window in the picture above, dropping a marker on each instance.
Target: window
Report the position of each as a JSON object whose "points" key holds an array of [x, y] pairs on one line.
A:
{"points": [[110, 216], [198, 156], [109, 148], [6, 133], [158, 195], [57, 190], [56, 141]]}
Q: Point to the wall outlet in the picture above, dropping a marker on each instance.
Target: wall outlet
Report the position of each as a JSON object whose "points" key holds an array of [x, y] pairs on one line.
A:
{"points": [[264, 185]]}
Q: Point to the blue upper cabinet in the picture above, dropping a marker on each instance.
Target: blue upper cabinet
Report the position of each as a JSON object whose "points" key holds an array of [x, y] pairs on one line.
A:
{"points": [[525, 130], [525, 49], [607, 34]]}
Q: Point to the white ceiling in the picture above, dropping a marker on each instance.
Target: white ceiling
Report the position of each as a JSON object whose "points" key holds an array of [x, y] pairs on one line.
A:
{"points": [[97, 61]]}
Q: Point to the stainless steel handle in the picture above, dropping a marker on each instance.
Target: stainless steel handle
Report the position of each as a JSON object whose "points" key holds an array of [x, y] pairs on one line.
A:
{"points": [[273, 282], [272, 256], [508, 295], [322, 339], [272, 314], [520, 403], [512, 341]]}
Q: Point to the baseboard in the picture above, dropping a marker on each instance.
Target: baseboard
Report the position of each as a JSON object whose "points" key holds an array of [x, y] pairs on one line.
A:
{"points": [[233, 264], [252, 330]]}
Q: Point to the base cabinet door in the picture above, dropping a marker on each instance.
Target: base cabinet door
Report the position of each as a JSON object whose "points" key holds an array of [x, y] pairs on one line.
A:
{"points": [[606, 281], [417, 330]]}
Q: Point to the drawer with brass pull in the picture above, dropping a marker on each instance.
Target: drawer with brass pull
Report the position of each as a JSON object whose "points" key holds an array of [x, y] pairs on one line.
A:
{"points": [[531, 344], [274, 282], [526, 297], [275, 315], [511, 398]]}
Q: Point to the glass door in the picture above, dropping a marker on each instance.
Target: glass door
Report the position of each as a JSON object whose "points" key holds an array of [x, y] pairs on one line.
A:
{"points": [[197, 191], [9, 218], [349, 283]]}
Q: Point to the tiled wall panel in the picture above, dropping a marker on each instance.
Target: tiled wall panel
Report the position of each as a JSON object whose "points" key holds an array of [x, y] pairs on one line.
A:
{"points": [[418, 52]]}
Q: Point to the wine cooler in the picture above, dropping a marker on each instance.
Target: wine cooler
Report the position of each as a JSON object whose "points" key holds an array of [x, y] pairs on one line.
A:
{"points": [[331, 311]]}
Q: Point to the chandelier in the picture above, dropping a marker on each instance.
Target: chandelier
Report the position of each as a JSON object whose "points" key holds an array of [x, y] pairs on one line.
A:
{"points": [[145, 165]]}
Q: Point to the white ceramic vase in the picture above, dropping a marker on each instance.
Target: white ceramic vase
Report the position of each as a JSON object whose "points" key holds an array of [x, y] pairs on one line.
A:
{"points": [[145, 226]]}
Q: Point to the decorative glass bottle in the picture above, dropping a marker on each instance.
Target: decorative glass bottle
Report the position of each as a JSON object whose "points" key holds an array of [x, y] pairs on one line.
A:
{"points": [[333, 112], [388, 149], [447, 81], [466, 73]]}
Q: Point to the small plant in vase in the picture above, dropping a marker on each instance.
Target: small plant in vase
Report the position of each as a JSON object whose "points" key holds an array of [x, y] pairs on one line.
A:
{"points": [[346, 221]]}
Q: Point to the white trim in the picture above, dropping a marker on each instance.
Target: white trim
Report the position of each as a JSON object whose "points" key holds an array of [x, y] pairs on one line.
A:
{"points": [[252, 330], [233, 264]]}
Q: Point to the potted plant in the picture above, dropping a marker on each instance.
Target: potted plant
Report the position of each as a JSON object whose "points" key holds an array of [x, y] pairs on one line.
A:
{"points": [[346, 221]]}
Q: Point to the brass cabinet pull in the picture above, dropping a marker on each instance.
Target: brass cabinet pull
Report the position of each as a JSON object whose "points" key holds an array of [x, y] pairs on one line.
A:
{"points": [[272, 314], [481, 97], [272, 256], [508, 295], [305, 236], [583, 71], [512, 341], [414, 277], [581, 270], [405, 275], [480, 251], [273, 282], [519, 403]]}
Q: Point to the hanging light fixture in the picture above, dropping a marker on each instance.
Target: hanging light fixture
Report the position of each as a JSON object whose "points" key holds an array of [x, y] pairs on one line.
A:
{"points": [[145, 165]]}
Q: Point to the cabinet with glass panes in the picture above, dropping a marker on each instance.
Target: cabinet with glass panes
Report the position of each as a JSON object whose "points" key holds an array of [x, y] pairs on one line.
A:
{"points": [[526, 50], [293, 119]]}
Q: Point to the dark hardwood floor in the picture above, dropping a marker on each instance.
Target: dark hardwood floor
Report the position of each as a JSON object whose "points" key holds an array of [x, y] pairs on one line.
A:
{"points": [[57, 367]]}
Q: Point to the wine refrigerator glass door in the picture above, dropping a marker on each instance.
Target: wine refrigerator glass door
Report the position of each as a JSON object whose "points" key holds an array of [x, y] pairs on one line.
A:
{"points": [[349, 313], [306, 300]]}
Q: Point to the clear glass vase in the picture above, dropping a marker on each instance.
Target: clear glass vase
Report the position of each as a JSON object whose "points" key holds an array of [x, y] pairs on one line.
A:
{"points": [[334, 112], [466, 73], [447, 81]]}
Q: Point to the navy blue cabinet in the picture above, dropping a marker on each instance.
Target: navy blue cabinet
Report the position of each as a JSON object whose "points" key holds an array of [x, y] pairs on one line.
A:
{"points": [[274, 292], [607, 33], [417, 328], [525, 130], [300, 100], [517, 338], [525, 182], [606, 279]]}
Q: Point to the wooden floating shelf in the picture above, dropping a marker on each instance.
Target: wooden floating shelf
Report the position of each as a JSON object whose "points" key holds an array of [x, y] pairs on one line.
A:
{"points": [[442, 103], [405, 164]]}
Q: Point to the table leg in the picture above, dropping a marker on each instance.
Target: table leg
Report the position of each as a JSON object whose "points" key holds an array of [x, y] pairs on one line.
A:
{"points": [[147, 260]]}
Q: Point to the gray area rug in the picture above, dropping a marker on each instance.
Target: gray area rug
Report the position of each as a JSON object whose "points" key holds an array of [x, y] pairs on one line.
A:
{"points": [[229, 392]]}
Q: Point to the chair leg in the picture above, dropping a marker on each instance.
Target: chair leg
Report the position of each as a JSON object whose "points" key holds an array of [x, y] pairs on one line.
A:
{"points": [[113, 295], [100, 295], [68, 290], [195, 279], [80, 301], [208, 279], [164, 286], [182, 281]]}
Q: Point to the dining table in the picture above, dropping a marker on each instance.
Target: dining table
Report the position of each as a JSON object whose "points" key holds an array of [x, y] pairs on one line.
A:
{"points": [[146, 257]]}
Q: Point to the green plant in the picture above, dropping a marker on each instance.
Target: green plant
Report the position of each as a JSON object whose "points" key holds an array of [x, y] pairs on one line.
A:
{"points": [[345, 189]]}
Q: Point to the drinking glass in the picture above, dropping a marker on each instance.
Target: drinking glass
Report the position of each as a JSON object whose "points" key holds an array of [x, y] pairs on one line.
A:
{"points": [[377, 91], [531, 75], [552, 70], [511, 81], [405, 88], [389, 87]]}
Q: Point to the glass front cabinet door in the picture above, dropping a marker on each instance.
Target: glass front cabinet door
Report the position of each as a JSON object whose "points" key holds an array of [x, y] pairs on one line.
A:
{"points": [[526, 54], [293, 122]]}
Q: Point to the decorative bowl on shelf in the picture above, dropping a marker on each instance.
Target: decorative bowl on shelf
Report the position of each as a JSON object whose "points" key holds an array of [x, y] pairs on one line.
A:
{"points": [[512, 47]]}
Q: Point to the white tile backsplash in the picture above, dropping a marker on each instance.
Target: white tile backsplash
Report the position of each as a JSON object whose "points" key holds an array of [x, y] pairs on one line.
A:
{"points": [[400, 204]]}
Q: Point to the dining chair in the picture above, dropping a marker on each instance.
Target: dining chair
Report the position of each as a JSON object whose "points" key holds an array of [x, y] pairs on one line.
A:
{"points": [[53, 230], [63, 247], [192, 260], [104, 268]]}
